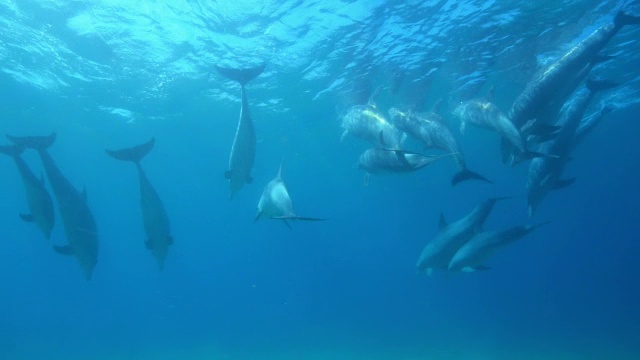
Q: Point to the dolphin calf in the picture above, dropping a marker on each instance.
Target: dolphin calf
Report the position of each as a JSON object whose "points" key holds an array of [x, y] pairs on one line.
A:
{"points": [[38, 199], [432, 132], [154, 215], [275, 202], [243, 150], [473, 255], [79, 225], [438, 253], [545, 173]]}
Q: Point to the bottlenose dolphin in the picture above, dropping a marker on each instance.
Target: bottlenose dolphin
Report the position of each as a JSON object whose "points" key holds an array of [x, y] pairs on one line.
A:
{"points": [[382, 160], [438, 252], [154, 215], [275, 202], [38, 199], [545, 173], [243, 150], [432, 132], [367, 122], [472, 256], [77, 219]]}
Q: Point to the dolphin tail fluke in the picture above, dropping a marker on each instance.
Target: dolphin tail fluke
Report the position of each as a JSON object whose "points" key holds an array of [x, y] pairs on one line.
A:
{"points": [[12, 150], [33, 142], [622, 19], [134, 154], [467, 174], [243, 76], [600, 85]]}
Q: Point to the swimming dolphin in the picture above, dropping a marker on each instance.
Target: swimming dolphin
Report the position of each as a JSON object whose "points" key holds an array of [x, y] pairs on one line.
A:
{"points": [[275, 202], [79, 225], [243, 150], [154, 215], [382, 160], [473, 255], [38, 199], [484, 114], [432, 132], [545, 173], [367, 122], [588, 124], [438, 252]]}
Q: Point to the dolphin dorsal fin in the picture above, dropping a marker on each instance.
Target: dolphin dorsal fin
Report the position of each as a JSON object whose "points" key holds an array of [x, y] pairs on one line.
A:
{"points": [[437, 106], [442, 222], [374, 96], [490, 93], [280, 169]]}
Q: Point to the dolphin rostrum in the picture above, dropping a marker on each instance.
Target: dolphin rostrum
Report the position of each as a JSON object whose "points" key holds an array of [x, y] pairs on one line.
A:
{"points": [[38, 199], [154, 215], [243, 150], [275, 202], [79, 225]]}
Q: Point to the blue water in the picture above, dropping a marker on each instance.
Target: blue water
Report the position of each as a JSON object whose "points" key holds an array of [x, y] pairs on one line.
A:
{"points": [[113, 74]]}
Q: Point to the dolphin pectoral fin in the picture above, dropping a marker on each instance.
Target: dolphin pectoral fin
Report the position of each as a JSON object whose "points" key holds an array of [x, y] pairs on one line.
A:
{"points": [[287, 223], [467, 174], [442, 222], [258, 216], [562, 183], [148, 244], [26, 217], [63, 250]]}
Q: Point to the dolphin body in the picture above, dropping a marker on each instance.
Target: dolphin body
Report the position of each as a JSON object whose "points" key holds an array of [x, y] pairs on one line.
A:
{"points": [[275, 202], [545, 173], [437, 254], [79, 225], [38, 198], [473, 255], [243, 150], [154, 215], [367, 122], [382, 160], [432, 132]]}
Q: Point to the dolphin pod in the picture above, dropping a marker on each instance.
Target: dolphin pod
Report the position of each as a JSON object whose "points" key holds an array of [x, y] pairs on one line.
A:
{"points": [[38, 198], [79, 225], [154, 215]]}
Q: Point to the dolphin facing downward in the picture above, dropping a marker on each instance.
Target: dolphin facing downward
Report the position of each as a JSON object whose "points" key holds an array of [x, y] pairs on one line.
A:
{"points": [[38, 199], [154, 215], [79, 225], [275, 202], [243, 150]]}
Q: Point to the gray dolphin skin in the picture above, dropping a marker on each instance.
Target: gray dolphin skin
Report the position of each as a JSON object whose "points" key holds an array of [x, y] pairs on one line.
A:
{"points": [[154, 215], [243, 150], [438, 252], [545, 173], [275, 202], [367, 122], [432, 132], [473, 255], [79, 225], [379, 160], [38, 199]]}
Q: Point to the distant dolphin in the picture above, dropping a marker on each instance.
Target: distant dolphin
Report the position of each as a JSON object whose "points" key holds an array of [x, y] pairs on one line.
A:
{"points": [[545, 173], [38, 199], [275, 202], [243, 150], [154, 216], [484, 114], [438, 253], [79, 224], [473, 255], [432, 132]]}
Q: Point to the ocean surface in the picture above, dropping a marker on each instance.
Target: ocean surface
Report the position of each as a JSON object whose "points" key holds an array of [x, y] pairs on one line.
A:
{"points": [[112, 74]]}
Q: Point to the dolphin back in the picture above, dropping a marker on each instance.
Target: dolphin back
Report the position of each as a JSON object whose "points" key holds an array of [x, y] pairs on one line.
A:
{"points": [[33, 142], [243, 76], [134, 154]]}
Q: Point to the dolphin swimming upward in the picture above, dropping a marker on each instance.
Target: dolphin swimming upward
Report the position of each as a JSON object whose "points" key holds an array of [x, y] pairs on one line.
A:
{"points": [[243, 150], [154, 216], [38, 199], [77, 219], [275, 202]]}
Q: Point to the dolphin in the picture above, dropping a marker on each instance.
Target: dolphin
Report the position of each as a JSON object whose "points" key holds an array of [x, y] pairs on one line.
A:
{"points": [[451, 237], [588, 124], [382, 160], [432, 132], [154, 215], [38, 199], [79, 225], [473, 255], [545, 173], [367, 122], [275, 202], [243, 150]]}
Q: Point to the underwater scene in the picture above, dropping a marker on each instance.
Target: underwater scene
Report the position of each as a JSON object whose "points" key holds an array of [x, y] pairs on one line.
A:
{"points": [[339, 179]]}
